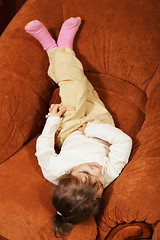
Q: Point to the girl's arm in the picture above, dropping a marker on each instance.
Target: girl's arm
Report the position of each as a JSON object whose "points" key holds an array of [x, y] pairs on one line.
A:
{"points": [[45, 151], [120, 148]]}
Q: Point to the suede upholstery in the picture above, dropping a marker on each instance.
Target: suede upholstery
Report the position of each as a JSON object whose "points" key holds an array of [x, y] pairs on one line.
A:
{"points": [[119, 46]]}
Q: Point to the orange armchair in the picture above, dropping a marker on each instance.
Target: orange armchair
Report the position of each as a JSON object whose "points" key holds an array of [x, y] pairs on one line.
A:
{"points": [[119, 46]]}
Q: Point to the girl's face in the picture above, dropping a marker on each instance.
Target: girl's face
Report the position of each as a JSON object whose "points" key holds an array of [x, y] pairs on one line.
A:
{"points": [[94, 170]]}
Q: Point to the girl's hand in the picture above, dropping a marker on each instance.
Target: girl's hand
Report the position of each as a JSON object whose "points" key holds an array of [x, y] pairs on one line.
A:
{"points": [[82, 128], [57, 110]]}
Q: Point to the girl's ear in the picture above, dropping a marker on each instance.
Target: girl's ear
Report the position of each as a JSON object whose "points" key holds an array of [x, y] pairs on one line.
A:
{"points": [[99, 193]]}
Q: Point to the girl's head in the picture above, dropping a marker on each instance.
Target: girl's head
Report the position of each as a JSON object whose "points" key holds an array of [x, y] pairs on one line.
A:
{"points": [[76, 198]]}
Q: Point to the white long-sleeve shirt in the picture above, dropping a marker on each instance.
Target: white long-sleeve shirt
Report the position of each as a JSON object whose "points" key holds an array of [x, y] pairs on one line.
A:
{"points": [[102, 143]]}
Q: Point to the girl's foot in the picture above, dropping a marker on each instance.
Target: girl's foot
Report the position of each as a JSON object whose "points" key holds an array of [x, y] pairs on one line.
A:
{"points": [[68, 32], [36, 29]]}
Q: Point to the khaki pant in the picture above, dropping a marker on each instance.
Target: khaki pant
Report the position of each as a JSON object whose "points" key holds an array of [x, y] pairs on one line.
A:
{"points": [[77, 94]]}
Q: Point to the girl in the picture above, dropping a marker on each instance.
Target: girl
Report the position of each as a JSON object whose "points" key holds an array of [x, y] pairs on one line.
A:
{"points": [[93, 151]]}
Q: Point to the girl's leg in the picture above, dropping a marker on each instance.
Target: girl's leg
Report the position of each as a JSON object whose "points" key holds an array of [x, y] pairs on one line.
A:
{"points": [[95, 108], [67, 72]]}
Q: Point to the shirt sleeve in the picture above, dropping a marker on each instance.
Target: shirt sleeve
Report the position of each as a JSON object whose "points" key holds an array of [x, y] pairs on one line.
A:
{"points": [[45, 151], [120, 148]]}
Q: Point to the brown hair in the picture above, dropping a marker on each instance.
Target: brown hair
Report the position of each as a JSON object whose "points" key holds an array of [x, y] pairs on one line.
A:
{"points": [[75, 202]]}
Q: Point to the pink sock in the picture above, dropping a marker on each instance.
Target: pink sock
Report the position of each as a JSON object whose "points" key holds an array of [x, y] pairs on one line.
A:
{"points": [[36, 29], [68, 32]]}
